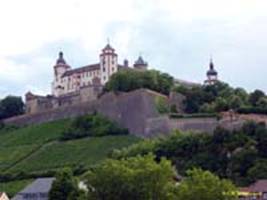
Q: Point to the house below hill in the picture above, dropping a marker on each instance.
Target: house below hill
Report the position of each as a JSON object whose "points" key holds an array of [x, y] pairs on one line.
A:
{"points": [[38, 190], [256, 191]]}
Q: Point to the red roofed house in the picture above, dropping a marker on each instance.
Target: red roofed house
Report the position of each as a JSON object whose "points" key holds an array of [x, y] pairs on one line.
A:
{"points": [[256, 191]]}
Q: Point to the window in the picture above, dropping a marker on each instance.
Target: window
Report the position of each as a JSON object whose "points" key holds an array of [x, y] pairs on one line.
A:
{"points": [[104, 69]]}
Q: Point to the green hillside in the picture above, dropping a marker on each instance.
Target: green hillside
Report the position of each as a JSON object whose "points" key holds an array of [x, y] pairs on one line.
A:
{"points": [[37, 149]]}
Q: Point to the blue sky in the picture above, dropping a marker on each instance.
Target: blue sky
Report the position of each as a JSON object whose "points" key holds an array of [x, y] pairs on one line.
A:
{"points": [[174, 36]]}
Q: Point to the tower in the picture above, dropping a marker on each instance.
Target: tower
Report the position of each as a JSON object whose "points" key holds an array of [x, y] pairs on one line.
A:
{"points": [[108, 63], [59, 69], [140, 64], [212, 74]]}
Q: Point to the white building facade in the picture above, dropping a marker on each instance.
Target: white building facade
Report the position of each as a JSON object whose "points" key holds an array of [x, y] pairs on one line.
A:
{"points": [[68, 80]]}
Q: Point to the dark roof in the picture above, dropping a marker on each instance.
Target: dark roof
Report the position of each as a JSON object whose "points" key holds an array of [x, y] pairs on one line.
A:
{"points": [[212, 71], [86, 68], [108, 47], [39, 186], [259, 186], [140, 61], [60, 59]]}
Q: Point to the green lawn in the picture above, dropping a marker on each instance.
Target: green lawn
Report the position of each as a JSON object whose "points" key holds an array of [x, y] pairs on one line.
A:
{"points": [[37, 148], [88, 151], [11, 155], [36, 134], [11, 188]]}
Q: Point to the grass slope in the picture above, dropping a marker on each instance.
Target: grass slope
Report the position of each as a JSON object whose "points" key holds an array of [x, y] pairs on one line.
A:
{"points": [[88, 151], [37, 148], [11, 188]]}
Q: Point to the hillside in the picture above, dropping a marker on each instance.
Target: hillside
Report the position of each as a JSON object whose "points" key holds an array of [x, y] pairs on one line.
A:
{"points": [[36, 150]]}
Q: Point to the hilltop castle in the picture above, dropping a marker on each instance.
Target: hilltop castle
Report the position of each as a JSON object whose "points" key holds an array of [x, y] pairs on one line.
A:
{"points": [[67, 80], [85, 84], [74, 86]]}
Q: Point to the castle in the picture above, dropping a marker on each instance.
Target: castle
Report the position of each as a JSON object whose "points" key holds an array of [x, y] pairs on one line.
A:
{"points": [[84, 84]]}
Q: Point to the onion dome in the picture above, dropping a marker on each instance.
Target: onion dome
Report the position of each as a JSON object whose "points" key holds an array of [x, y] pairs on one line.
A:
{"points": [[60, 59], [212, 71]]}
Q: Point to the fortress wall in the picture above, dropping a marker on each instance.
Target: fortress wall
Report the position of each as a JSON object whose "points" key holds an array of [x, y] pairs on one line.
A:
{"points": [[134, 110], [130, 110], [164, 125]]}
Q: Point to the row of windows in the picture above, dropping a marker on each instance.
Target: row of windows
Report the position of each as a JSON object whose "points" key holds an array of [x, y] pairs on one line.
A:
{"points": [[112, 62], [83, 75], [112, 69]]}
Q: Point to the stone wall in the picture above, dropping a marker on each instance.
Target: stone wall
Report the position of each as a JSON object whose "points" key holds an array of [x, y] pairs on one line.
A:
{"points": [[134, 110], [38, 104]]}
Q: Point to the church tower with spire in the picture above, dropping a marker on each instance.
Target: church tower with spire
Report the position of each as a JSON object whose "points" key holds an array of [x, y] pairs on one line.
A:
{"points": [[212, 75]]}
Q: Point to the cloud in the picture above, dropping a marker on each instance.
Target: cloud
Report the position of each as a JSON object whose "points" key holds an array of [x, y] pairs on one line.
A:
{"points": [[173, 35]]}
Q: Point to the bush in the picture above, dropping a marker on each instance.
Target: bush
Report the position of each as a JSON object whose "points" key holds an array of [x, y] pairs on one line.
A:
{"points": [[162, 105], [250, 109], [197, 115], [92, 125]]}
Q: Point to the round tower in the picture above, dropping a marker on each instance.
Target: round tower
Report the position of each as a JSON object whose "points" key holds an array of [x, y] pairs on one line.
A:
{"points": [[108, 63], [59, 69]]}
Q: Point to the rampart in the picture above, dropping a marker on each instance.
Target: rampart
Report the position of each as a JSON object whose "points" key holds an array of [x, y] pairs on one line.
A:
{"points": [[134, 110]]}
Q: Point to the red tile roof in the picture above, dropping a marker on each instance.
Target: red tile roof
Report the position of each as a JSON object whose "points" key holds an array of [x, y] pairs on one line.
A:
{"points": [[259, 186]]}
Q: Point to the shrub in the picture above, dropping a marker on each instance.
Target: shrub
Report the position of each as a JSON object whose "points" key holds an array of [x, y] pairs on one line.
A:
{"points": [[250, 109], [162, 105], [92, 125]]}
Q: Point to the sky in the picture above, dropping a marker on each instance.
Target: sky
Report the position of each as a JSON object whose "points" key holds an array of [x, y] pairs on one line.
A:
{"points": [[174, 36]]}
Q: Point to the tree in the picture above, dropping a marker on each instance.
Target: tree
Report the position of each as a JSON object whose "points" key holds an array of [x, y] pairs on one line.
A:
{"points": [[221, 104], [134, 178], [128, 80], [262, 103], [11, 106], [255, 96], [203, 185], [63, 186], [235, 102], [258, 171]]}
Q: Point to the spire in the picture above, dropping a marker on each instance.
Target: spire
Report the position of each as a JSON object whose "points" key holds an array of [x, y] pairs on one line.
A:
{"points": [[211, 64], [211, 71], [60, 59]]}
